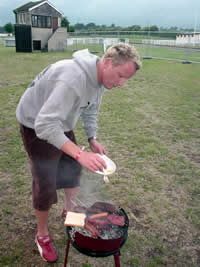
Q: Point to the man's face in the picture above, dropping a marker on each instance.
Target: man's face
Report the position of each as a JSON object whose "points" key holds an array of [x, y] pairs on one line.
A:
{"points": [[116, 76]]}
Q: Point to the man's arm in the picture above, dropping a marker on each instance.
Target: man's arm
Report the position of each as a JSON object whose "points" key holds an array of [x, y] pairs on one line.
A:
{"points": [[89, 115], [96, 147], [87, 159]]}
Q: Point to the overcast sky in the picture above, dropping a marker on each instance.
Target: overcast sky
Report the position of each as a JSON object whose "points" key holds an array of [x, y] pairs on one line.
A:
{"points": [[181, 13]]}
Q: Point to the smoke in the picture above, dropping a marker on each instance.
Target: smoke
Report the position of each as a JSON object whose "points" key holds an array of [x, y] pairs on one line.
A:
{"points": [[92, 189]]}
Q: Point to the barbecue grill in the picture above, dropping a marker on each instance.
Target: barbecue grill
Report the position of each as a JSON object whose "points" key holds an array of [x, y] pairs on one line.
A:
{"points": [[110, 240]]}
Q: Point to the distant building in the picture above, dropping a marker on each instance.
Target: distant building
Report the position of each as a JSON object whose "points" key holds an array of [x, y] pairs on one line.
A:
{"points": [[38, 28], [190, 39]]}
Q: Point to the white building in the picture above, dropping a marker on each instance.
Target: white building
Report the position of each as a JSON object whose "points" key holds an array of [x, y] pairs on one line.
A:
{"points": [[188, 39]]}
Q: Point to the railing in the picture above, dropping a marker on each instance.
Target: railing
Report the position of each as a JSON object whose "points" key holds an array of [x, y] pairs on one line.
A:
{"points": [[158, 45]]}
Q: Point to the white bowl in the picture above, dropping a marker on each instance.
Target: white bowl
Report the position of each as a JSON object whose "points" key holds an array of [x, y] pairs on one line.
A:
{"points": [[110, 166]]}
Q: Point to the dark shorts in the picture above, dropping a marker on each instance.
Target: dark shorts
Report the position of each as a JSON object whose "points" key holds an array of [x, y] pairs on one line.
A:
{"points": [[51, 168]]}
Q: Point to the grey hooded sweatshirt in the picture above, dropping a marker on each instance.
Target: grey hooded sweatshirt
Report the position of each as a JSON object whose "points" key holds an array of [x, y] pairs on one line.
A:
{"points": [[59, 95]]}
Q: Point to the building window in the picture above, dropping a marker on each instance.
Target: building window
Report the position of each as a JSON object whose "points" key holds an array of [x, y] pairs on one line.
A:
{"points": [[48, 22], [22, 18], [41, 21], [34, 21]]}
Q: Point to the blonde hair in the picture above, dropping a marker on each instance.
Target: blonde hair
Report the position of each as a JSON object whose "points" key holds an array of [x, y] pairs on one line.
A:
{"points": [[122, 53]]}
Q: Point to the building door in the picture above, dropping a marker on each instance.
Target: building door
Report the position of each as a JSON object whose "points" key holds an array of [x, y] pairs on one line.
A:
{"points": [[23, 38], [36, 45], [55, 23]]}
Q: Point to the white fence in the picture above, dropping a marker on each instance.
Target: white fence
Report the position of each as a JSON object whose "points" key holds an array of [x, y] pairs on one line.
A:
{"points": [[5, 35], [9, 42], [159, 42], [74, 41], [191, 40], [181, 40], [178, 51], [106, 42]]}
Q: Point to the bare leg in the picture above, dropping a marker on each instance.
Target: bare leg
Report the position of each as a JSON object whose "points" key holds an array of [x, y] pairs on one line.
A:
{"points": [[43, 241], [42, 222], [69, 197]]}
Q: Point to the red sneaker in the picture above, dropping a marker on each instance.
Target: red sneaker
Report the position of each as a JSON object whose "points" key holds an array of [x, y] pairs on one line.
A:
{"points": [[46, 249]]}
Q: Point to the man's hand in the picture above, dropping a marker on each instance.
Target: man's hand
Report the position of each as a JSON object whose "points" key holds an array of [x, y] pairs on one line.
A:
{"points": [[91, 161], [96, 147]]}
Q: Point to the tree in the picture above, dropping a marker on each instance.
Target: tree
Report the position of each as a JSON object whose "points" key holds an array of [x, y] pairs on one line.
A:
{"points": [[173, 28], [154, 28], [71, 28], [79, 26], [151, 28], [134, 28], [137, 28], [65, 23], [146, 28], [90, 26], [9, 28], [2, 30]]}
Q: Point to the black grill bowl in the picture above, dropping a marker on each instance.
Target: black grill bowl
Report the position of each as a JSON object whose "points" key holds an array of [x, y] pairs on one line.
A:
{"points": [[96, 247]]}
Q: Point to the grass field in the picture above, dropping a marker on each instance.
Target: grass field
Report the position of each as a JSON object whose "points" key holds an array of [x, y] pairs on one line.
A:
{"points": [[151, 129]]}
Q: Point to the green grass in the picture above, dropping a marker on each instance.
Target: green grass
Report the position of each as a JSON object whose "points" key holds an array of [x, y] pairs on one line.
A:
{"points": [[151, 129]]}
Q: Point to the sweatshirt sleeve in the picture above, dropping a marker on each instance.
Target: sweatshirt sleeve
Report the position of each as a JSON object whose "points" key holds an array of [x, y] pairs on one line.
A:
{"points": [[89, 119], [58, 107], [89, 115]]}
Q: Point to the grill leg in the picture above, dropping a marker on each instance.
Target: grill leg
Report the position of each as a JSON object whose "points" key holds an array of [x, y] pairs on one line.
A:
{"points": [[66, 252], [117, 261]]}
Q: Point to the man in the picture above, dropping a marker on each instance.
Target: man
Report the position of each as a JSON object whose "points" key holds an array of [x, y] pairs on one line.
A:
{"points": [[48, 112]]}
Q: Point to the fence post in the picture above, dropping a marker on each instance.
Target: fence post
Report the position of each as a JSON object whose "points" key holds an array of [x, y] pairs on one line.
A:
{"points": [[187, 54], [148, 48]]}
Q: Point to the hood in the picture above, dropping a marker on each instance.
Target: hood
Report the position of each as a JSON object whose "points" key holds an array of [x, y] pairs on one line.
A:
{"points": [[87, 62]]}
